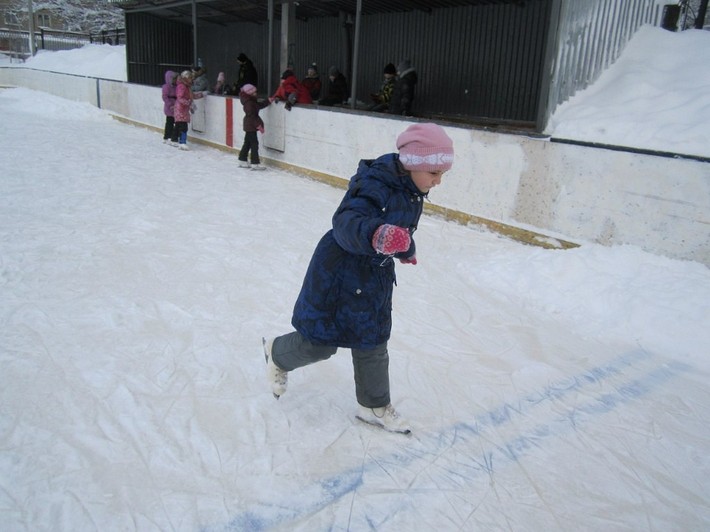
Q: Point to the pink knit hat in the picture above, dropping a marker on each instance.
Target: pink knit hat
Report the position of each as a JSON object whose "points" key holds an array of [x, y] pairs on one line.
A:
{"points": [[425, 148], [249, 89]]}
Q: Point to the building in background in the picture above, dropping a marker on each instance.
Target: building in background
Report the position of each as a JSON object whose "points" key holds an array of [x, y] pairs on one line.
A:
{"points": [[58, 25], [83, 16], [15, 16]]}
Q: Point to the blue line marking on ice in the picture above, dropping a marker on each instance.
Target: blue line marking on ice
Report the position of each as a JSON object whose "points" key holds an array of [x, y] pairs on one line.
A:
{"points": [[315, 497], [309, 499]]}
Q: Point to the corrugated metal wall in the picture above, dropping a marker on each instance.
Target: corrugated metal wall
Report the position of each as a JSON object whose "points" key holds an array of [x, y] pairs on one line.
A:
{"points": [[591, 36], [154, 45], [219, 46], [473, 62], [320, 41], [510, 62]]}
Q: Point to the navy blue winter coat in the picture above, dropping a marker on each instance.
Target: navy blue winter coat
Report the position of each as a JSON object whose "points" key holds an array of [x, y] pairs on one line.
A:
{"points": [[346, 298]]}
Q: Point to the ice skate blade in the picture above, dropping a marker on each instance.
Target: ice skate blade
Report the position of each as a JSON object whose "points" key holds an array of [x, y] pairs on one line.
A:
{"points": [[405, 432]]}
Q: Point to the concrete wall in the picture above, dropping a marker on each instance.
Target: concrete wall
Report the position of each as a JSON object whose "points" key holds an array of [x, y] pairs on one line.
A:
{"points": [[538, 191]]}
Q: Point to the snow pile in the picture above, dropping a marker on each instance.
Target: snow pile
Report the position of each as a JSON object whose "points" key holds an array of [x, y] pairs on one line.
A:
{"points": [[42, 104], [617, 292], [95, 60], [655, 96]]}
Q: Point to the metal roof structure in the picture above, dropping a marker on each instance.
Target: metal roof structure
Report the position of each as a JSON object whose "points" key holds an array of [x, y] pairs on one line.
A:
{"points": [[257, 11], [492, 61]]}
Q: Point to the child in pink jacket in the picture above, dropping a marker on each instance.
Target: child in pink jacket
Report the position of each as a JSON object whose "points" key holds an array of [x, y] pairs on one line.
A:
{"points": [[183, 104], [169, 97]]}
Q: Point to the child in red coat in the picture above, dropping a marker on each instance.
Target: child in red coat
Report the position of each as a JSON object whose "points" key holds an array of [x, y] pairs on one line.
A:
{"points": [[291, 91]]}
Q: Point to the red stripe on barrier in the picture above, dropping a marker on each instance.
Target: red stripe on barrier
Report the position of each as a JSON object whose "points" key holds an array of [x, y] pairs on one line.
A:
{"points": [[229, 125]]}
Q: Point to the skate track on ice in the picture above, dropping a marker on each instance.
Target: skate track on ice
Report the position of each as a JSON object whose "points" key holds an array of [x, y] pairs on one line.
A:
{"points": [[454, 475]]}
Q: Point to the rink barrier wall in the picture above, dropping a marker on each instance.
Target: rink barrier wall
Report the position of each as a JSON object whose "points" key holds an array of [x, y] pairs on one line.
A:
{"points": [[551, 194]]}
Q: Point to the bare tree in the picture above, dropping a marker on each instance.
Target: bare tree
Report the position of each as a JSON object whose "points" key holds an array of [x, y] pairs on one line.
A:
{"points": [[693, 14]]}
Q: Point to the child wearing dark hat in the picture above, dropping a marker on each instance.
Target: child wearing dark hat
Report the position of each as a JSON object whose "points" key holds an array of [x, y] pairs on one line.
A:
{"points": [[346, 297], [337, 89], [312, 82], [251, 124], [291, 91], [382, 98]]}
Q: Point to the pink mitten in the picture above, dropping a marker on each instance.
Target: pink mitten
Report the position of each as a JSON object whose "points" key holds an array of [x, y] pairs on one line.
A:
{"points": [[411, 260], [390, 239]]}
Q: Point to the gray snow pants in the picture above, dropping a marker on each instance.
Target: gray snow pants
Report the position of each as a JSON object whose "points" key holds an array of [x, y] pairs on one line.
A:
{"points": [[371, 366]]}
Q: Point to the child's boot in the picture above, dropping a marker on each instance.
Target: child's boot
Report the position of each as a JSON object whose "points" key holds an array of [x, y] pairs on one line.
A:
{"points": [[385, 417], [278, 378], [183, 141]]}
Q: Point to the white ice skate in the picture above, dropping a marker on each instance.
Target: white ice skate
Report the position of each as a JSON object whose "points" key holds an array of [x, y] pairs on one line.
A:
{"points": [[244, 164], [385, 417], [258, 167], [277, 377]]}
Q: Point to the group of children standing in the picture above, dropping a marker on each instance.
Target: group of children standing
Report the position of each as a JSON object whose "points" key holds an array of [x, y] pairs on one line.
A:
{"points": [[395, 96], [178, 97], [177, 104]]}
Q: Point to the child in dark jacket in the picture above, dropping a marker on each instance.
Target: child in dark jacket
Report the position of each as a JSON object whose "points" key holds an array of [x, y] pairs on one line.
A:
{"points": [[381, 99], [169, 97], [403, 93], [337, 91], [346, 297], [252, 123], [312, 82]]}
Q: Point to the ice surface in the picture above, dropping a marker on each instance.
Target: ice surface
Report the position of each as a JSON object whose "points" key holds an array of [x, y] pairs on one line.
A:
{"points": [[549, 390]]}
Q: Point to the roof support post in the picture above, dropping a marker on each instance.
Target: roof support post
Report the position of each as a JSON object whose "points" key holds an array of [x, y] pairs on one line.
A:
{"points": [[288, 29], [270, 60], [194, 32], [31, 28], [356, 55], [547, 101]]}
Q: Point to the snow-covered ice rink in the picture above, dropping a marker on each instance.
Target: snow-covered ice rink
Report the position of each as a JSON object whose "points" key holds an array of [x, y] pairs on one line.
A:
{"points": [[548, 390]]}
